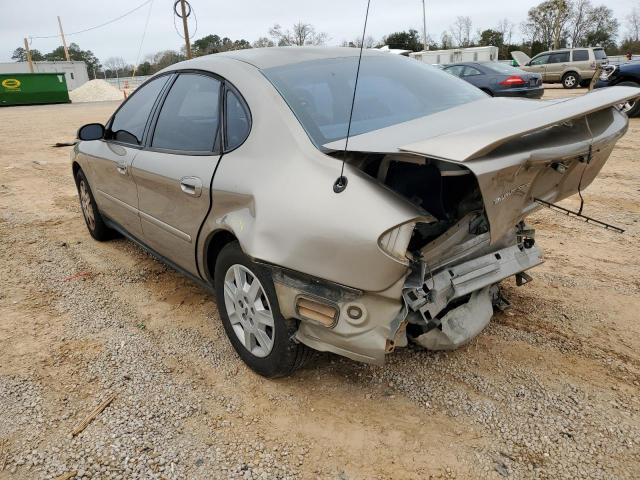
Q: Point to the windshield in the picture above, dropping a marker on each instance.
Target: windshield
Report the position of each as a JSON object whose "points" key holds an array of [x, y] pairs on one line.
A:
{"points": [[391, 89], [502, 68]]}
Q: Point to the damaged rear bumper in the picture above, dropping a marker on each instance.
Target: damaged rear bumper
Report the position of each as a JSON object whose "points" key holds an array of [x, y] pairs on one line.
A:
{"points": [[472, 288], [371, 324], [433, 293]]}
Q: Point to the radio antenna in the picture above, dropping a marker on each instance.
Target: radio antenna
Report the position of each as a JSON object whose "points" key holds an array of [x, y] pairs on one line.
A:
{"points": [[341, 182]]}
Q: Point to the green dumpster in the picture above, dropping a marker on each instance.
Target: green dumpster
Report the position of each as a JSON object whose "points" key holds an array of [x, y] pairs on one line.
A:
{"points": [[32, 88]]}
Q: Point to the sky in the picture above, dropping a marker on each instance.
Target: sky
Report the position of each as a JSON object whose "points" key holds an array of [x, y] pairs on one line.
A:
{"points": [[248, 19]]}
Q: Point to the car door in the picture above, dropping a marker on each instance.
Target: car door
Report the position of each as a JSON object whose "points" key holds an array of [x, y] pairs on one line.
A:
{"points": [[557, 65], [539, 65], [111, 178], [174, 171]]}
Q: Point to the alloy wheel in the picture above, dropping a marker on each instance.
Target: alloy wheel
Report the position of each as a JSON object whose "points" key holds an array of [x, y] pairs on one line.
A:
{"points": [[627, 106], [570, 81], [249, 310], [85, 203]]}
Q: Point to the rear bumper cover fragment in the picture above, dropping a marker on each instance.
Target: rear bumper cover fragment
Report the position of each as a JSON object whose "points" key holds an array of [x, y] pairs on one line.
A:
{"points": [[440, 289]]}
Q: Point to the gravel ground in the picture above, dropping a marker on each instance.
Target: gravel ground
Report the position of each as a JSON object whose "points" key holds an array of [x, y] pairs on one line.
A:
{"points": [[549, 390]]}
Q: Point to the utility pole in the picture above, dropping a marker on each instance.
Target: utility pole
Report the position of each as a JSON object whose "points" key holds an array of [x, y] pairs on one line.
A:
{"points": [[424, 26], [185, 26], [64, 42], [26, 47]]}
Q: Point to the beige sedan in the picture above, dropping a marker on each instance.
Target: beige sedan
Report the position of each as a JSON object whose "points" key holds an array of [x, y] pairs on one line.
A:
{"points": [[233, 169]]}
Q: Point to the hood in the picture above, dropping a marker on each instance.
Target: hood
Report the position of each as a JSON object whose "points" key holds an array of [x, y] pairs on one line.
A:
{"points": [[520, 57]]}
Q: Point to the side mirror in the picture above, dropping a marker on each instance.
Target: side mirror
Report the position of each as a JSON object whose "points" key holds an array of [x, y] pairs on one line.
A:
{"points": [[91, 131]]}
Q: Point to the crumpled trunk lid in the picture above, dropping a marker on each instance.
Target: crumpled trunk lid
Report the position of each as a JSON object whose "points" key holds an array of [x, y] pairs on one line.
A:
{"points": [[518, 150]]}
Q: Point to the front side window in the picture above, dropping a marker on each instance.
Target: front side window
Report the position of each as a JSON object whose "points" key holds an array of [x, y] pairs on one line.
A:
{"points": [[129, 121], [391, 89], [190, 116], [541, 60], [580, 55], [237, 118]]}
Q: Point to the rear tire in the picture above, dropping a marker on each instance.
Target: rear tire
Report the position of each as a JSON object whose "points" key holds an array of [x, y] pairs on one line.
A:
{"points": [[632, 107], [92, 218], [251, 317], [570, 80]]}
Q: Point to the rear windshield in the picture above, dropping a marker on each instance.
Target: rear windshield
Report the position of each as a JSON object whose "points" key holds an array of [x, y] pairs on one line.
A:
{"points": [[599, 53], [502, 68], [391, 89]]}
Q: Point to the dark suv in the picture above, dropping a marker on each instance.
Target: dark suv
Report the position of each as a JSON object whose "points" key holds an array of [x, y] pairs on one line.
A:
{"points": [[626, 75]]}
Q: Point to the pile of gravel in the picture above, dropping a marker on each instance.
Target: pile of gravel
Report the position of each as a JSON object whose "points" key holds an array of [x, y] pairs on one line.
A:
{"points": [[95, 91]]}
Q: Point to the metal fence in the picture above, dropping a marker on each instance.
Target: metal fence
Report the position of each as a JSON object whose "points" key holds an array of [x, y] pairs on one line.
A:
{"points": [[127, 83], [618, 59]]}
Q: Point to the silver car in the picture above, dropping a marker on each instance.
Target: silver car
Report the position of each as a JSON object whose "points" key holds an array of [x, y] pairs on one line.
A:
{"points": [[229, 168]]}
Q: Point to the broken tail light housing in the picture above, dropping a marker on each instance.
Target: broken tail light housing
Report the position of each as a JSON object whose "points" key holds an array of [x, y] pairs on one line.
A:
{"points": [[395, 241]]}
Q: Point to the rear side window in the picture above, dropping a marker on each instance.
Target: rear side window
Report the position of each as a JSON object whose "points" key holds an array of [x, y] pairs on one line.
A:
{"points": [[129, 122], [560, 57], [580, 55], [471, 71], [599, 53], [189, 118], [455, 70], [237, 121]]}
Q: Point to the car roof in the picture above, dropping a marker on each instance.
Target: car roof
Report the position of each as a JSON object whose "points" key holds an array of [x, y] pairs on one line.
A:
{"points": [[469, 64], [562, 50], [476, 65], [278, 56]]}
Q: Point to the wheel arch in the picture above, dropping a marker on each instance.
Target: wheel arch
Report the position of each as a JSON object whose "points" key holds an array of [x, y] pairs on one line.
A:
{"points": [[568, 72], [627, 79], [75, 168], [213, 245]]}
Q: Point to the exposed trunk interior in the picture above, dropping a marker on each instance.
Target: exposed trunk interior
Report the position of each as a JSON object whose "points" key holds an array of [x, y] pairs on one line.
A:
{"points": [[446, 190]]}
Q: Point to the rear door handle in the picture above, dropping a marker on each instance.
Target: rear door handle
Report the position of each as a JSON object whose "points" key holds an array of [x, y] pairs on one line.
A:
{"points": [[191, 186], [122, 168]]}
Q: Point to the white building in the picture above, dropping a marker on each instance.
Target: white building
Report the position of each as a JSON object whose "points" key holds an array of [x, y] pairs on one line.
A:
{"points": [[75, 72], [456, 55]]}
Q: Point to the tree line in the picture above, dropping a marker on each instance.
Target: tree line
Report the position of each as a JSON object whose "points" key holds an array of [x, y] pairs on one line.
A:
{"points": [[550, 25]]}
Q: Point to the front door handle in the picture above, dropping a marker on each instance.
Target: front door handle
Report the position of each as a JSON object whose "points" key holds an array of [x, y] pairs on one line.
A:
{"points": [[122, 168], [191, 186]]}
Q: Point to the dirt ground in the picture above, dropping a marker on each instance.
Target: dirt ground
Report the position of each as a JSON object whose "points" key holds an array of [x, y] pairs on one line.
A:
{"points": [[550, 390]]}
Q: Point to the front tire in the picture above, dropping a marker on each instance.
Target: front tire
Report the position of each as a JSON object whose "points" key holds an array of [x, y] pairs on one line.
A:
{"points": [[570, 80], [92, 218], [251, 317]]}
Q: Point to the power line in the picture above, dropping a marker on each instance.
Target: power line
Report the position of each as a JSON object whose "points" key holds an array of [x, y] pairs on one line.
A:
{"points": [[97, 26], [144, 33]]}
